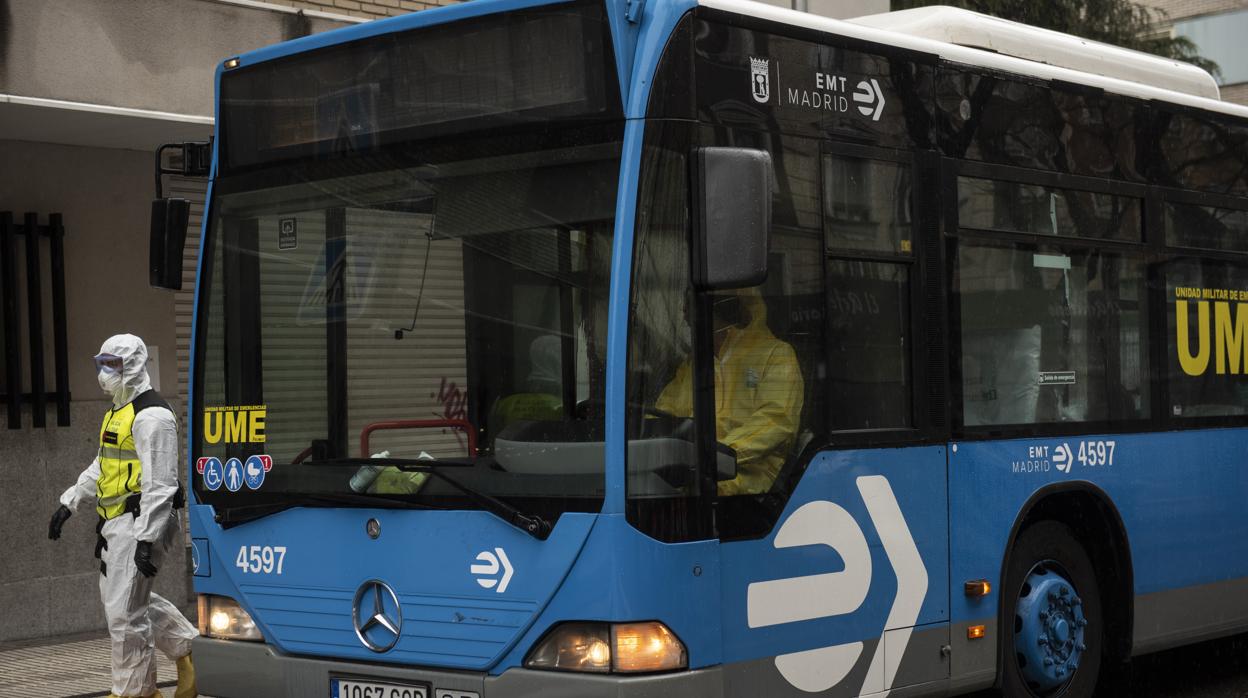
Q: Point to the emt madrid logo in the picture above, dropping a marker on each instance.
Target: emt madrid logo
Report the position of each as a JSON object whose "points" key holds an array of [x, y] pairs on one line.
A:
{"points": [[486, 573], [760, 80], [799, 599]]}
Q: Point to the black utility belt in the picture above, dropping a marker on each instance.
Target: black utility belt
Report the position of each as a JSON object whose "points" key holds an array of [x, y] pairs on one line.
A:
{"points": [[131, 507]]}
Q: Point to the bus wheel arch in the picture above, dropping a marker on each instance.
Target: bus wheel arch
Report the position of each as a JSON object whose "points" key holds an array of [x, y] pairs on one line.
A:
{"points": [[1094, 521]]}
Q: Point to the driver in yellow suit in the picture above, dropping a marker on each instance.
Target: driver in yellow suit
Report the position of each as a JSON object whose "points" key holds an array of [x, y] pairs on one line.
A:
{"points": [[758, 392]]}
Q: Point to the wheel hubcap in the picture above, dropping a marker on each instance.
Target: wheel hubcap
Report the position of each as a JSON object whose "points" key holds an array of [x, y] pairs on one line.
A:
{"points": [[1048, 629]]}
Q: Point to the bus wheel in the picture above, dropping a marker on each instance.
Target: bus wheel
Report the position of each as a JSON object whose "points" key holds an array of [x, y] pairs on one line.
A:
{"points": [[1053, 616]]}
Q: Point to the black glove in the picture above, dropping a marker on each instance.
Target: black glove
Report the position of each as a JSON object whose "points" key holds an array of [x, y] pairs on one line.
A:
{"points": [[143, 559], [58, 520]]}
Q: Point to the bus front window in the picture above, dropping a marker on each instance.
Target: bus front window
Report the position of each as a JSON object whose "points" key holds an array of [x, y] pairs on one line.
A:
{"points": [[442, 303]]}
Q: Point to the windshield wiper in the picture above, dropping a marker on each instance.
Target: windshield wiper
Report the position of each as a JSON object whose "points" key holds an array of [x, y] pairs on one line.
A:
{"points": [[531, 524], [234, 516]]}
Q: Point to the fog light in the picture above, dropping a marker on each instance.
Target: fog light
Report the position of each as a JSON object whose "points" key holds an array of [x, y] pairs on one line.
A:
{"points": [[222, 618]]}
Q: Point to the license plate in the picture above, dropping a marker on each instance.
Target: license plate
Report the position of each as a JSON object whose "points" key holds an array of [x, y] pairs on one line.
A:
{"points": [[361, 688]]}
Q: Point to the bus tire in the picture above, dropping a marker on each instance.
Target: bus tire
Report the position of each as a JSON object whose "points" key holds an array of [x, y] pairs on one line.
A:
{"points": [[1052, 629]]}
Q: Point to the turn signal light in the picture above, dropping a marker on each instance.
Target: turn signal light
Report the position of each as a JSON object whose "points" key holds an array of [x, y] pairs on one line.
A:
{"points": [[975, 632], [647, 647], [233, 63], [631, 648], [978, 587]]}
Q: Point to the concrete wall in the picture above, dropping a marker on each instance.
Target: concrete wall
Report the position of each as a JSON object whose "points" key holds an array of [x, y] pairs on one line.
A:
{"points": [[50, 588], [363, 8], [144, 54], [105, 198]]}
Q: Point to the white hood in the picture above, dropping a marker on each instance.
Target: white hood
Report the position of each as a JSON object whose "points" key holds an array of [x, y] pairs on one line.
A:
{"points": [[134, 378]]}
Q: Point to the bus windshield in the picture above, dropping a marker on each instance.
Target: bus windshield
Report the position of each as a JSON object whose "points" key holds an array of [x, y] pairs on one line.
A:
{"points": [[443, 302]]}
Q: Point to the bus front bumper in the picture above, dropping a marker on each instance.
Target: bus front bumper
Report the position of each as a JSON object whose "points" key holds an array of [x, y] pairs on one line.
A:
{"points": [[227, 669]]}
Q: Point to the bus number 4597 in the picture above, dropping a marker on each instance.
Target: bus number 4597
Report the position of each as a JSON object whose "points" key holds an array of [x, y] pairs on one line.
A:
{"points": [[257, 559], [1096, 453]]}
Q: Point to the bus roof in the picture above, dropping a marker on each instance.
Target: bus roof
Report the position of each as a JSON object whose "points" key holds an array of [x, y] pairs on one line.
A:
{"points": [[970, 38]]}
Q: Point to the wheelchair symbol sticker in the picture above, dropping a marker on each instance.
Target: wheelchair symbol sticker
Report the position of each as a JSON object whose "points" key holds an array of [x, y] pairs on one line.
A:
{"points": [[233, 474], [213, 474]]}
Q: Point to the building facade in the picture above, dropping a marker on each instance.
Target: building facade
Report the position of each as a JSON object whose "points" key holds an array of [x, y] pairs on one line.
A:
{"points": [[1218, 28], [88, 89]]}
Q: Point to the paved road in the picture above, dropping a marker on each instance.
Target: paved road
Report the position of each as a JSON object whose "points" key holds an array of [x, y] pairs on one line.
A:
{"points": [[1217, 669], [78, 666]]}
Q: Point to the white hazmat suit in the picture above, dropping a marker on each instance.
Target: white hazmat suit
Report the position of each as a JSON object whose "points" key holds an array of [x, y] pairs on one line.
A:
{"points": [[139, 621]]}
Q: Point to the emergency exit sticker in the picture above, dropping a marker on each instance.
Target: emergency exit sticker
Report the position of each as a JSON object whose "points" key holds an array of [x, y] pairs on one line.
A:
{"points": [[235, 424], [288, 234], [1056, 378]]}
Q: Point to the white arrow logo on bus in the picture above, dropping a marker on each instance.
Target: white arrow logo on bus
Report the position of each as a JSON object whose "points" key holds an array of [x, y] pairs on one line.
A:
{"points": [[485, 572], [871, 99], [838, 593], [1062, 459]]}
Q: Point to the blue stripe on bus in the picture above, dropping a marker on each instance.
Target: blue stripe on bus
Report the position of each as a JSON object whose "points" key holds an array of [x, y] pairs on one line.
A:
{"points": [[617, 316], [199, 275], [1180, 495], [659, 20]]}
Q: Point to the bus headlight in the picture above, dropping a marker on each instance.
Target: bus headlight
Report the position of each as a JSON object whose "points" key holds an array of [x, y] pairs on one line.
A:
{"points": [[222, 618], [626, 648]]}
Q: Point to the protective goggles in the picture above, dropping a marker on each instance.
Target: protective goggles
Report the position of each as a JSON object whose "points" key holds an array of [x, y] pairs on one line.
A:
{"points": [[108, 363]]}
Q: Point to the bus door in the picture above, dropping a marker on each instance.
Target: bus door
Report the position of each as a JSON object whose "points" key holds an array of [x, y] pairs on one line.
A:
{"points": [[835, 572]]}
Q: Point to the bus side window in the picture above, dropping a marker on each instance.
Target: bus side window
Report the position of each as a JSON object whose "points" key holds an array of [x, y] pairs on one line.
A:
{"points": [[1050, 334]]}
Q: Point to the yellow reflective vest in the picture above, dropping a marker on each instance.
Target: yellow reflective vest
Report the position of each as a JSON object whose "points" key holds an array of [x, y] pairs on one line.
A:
{"points": [[121, 472]]}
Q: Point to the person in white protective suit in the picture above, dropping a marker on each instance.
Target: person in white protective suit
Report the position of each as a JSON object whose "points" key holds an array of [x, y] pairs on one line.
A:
{"points": [[133, 484]]}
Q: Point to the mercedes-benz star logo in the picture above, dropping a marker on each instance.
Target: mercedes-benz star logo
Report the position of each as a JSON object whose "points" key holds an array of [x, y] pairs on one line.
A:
{"points": [[377, 616]]}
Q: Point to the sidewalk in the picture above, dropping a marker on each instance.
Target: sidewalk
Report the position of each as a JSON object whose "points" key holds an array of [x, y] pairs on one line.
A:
{"points": [[68, 667]]}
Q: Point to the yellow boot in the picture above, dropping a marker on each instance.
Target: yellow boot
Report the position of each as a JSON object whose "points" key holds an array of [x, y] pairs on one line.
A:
{"points": [[186, 679]]}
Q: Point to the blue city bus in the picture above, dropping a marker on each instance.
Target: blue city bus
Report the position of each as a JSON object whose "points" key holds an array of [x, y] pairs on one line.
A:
{"points": [[710, 348]]}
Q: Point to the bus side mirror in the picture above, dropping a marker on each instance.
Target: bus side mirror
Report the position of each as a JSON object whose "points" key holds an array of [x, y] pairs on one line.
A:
{"points": [[171, 216], [169, 220], [732, 195]]}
